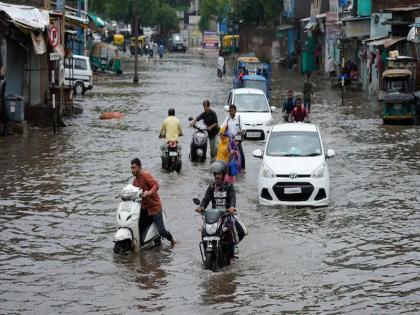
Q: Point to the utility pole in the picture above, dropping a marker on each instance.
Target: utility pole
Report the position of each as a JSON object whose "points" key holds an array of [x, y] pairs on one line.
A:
{"points": [[136, 43], [63, 42]]}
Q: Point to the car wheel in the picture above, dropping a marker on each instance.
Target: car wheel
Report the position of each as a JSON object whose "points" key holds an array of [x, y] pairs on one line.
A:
{"points": [[79, 88]]}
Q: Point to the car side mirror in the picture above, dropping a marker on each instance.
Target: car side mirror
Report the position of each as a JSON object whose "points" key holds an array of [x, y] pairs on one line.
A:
{"points": [[196, 201], [273, 108], [330, 153], [226, 108], [258, 154]]}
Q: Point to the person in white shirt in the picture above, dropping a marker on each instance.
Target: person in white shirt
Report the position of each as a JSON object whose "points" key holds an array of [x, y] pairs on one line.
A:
{"points": [[236, 128], [220, 66], [331, 66]]}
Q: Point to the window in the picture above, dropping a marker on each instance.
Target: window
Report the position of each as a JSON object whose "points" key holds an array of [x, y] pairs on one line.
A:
{"points": [[294, 143], [251, 103], [80, 64]]}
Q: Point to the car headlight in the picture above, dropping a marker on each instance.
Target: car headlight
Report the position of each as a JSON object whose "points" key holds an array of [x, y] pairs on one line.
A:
{"points": [[319, 172], [267, 172], [211, 228]]}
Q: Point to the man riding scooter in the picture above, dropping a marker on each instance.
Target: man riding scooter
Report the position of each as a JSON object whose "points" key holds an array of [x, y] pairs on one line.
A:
{"points": [[171, 130]]}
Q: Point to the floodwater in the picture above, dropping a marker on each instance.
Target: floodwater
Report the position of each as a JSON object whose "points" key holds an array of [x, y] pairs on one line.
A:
{"points": [[359, 255]]}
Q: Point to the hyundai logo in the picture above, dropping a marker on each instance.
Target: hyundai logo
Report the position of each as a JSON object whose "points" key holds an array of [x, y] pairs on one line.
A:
{"points": [[293, 175]]}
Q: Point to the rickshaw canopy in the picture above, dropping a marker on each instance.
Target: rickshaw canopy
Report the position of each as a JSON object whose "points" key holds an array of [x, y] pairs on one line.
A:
{"points": [[96, 49]]}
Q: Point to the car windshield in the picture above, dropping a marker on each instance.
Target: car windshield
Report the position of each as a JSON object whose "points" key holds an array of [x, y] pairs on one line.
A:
{"points": [[254, 84], [294, 143], [251, 103]]}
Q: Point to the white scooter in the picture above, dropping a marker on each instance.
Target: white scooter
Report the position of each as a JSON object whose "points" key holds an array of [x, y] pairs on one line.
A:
{"points": [[133, 235]]}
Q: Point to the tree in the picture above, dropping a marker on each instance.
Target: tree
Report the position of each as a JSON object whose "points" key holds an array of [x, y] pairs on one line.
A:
{"points": [[216, 8], [259, 12]]}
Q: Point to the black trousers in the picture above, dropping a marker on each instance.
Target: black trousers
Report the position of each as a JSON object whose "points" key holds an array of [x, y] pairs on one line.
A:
{"points": [[241, 151], [146, 220]]}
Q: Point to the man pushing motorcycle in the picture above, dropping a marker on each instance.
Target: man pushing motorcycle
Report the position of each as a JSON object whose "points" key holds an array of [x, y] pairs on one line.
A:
{"points": [[151, 205]]}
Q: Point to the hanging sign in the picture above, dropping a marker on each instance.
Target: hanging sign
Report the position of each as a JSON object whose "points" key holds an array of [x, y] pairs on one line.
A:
{"points": [[53, 36]]}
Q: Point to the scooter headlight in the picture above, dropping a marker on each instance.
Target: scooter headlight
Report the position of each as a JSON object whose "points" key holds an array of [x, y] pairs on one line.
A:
{"points": [[211, 228], [267, 172], [200, 152], [319, 172]]}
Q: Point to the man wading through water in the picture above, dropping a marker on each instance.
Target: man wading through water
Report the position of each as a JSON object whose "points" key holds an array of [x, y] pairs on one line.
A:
{"points": [[151, 206]]}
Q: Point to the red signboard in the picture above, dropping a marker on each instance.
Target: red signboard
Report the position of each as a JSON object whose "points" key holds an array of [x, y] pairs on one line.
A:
{"points": [[53, 36]]}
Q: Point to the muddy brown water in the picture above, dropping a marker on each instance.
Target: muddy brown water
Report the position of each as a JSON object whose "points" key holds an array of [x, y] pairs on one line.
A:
{"points": [[359, 255]]}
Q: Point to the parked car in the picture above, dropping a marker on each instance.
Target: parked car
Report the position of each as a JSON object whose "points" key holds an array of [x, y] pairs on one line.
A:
{"points": [[78, 73], [253, 107], [177, 43], [294, 168]]}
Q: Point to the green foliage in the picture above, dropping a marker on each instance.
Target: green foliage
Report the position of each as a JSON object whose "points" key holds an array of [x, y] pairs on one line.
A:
{"points": [[208, 8], [149, 12], [259, 12]]}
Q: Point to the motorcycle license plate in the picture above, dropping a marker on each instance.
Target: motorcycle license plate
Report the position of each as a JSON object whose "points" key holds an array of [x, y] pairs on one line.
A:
{"points": [[173, 153], [253, 134], [211, 238], [238, 137], [292, 190]]}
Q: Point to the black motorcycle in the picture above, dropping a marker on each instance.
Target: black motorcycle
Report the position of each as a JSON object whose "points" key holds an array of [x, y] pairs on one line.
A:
{"points": [[198, 147], [171, 157], [221, 230]]}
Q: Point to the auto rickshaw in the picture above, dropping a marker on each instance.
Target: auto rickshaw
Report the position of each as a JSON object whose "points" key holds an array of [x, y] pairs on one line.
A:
{"points": [[118, 40], [399, 102], [230, 44], [250, 72], [140, 45], [105, 57]]}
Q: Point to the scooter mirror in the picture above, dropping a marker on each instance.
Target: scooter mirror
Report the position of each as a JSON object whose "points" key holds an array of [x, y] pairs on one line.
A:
{"points": [[190, 118], [196, 201]]}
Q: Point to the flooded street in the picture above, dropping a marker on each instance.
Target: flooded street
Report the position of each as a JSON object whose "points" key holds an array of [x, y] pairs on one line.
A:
{"points": [[359, 255]]}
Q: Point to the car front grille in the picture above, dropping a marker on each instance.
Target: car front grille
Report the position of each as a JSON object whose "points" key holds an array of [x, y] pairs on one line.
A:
{"points": [[297, 176], [307, 189]]}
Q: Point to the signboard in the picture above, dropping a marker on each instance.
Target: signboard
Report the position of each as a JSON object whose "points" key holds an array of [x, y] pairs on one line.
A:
{"points": [[210, 40], [53, 36], [54, 56]]}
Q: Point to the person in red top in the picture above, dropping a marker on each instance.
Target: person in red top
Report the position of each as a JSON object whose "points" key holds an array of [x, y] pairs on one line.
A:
{"points": [[151, 205], [299, 113]]}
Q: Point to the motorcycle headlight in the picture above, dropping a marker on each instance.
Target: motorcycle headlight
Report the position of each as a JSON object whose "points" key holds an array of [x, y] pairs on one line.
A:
{"points": [[211, 228], [267, 172], [319, 172]]}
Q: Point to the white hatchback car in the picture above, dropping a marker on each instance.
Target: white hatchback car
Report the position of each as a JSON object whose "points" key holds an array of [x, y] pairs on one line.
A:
{"points": [[294, 168], [253, 107]]}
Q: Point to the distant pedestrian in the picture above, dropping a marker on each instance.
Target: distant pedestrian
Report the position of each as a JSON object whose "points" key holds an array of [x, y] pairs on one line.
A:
{"points": [[331, 67], [288, 105], [220, 66], [308, 92], [299, 113]]}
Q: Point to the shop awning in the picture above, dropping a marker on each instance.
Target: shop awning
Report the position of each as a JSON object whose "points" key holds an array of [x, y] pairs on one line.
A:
{"points": [[386, 42], [96, 20], [72, 19], [25, 16]]}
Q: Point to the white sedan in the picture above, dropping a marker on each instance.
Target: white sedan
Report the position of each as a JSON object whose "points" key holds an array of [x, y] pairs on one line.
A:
{"points": [[253, 108], [294, 168]]}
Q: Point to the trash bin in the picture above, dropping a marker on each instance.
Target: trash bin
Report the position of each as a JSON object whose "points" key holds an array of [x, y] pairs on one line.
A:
{"points": [[15, 107]]}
